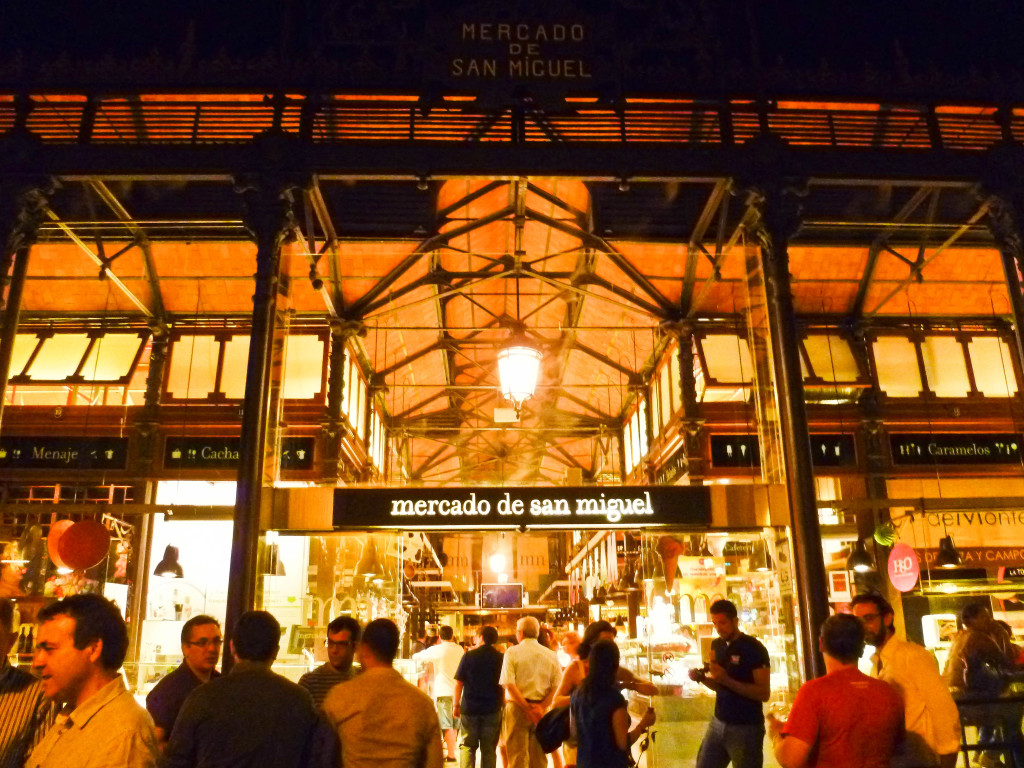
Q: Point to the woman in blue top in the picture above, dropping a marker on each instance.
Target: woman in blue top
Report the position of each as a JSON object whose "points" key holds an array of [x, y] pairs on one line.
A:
{"points": [[599, 713]]}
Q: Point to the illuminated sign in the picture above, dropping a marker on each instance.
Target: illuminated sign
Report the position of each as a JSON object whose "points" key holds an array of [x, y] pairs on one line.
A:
{"points": [[223, 452], [955, 449], [744, 451], [590, 507], [63, 453]]}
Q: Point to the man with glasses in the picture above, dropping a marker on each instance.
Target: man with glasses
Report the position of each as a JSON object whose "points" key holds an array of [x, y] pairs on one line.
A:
{"points": [[201, 641], [930, 714], [342, 638]]}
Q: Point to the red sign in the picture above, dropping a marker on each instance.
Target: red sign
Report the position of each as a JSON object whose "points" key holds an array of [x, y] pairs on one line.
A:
{"points": [[904, 567]]}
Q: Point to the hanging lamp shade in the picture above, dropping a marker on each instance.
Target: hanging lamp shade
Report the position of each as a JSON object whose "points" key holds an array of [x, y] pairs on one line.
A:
{"points": [[518, 368], [274, 566], [169, 567], [948, 556], [369, 566], [760, 560], [627, 579], [860, 559]]}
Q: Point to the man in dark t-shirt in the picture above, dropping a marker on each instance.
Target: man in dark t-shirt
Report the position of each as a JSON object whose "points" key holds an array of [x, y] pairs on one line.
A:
{"points": [[739, 673], [200, 649], [478, 701]]}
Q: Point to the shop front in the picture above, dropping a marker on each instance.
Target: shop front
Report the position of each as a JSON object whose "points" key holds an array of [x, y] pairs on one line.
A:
{"points": [[648, 559]]}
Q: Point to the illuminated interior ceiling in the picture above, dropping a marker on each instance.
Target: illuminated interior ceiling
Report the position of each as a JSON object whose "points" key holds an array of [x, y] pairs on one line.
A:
{"points": [[433, 269]]}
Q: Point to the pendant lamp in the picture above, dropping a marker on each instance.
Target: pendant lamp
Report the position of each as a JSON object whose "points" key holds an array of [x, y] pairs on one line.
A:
{"points": [[518, 362], [274, 566], [948, 556], [518, 367], [369, 566], [760, 560], [860, 559], [169, 567]]}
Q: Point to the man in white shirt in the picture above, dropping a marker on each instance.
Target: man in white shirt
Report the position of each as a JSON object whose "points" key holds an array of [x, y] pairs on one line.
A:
{"points": [[529, 674], [931, 717], [445, 657], [80, 646]]}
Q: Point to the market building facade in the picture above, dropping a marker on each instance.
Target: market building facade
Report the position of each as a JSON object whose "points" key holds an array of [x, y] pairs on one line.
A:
{"points": [[259, 290]]}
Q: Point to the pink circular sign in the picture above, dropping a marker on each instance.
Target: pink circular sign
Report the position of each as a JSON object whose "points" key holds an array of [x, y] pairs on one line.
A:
{"points": [[904, 567]]}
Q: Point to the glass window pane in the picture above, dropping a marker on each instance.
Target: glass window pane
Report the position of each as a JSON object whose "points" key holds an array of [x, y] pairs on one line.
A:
{"points": [[236, 363], [47, 395], [361, 409], [641, 426], [627, 447], [945, 366], [111, 357], [652, 394], [193, 367], [665, 391], [832, 358], [673, 381], [24, 343], [896, 363], [728, 358], [635, 439], [303, 368], [350, 403], [993, 366], [59, 357]]}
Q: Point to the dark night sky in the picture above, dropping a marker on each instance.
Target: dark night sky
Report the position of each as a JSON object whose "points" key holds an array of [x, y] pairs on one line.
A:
{"points": [[950, 38]]}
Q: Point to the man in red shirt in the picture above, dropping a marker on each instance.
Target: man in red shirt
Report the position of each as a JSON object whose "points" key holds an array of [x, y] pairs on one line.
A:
{"points": [[844, 719]]}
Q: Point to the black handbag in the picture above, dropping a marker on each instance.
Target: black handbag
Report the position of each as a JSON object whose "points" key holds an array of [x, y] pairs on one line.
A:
{"points": [[553, 728]]}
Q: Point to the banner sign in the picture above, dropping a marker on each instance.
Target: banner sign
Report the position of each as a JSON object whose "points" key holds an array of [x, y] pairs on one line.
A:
{"points": [[904, 567], [979, 557], [728, 451], [63, 452], [911, 449], [222, 452], [572, 507]]}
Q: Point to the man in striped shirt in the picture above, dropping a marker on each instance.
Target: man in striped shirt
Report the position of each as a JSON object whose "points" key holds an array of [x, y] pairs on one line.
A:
{"points": [[342, 638], [24, 713]]}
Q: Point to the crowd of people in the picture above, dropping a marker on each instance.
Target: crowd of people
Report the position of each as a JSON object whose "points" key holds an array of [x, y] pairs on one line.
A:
{"points": [[75, 711]]}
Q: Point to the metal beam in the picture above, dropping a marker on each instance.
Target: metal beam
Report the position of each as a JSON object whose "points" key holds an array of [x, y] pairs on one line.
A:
{"points": [[586, 161], [109, 274], [718, 200], [437, 241], [621, 262], [972, 222], [143, 243], [880, 240]]}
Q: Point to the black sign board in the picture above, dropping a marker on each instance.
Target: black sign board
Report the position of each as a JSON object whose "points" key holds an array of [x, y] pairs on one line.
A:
{"points": [[833, 450], [63, 452], [1016, 572], [910, 449], [222, 452], [735, 451], [744, 451], [567, 507]]}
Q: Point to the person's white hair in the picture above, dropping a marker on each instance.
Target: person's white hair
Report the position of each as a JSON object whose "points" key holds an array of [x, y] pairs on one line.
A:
{"points": [[528, 626]]}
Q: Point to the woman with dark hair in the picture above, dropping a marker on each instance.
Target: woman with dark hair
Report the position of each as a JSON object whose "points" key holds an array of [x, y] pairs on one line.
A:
{"points": [[577, 670], [599, 715]]}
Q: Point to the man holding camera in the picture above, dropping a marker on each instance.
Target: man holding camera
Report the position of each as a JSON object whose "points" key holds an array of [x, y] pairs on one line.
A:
{"points": [[739, 672]]}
